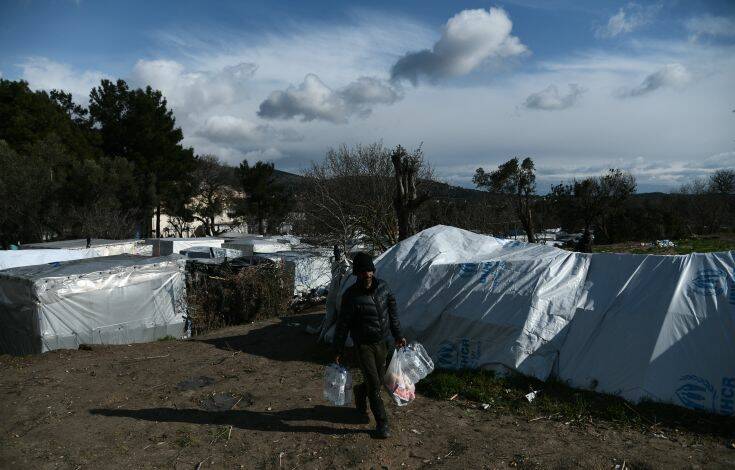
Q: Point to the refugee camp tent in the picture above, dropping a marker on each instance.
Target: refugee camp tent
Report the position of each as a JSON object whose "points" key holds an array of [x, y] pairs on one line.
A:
{"points": [[252, 246], [97, 246], [311, 268], [168, 246], [109, 300], [650, 327], [15, 258], [203, 252]]}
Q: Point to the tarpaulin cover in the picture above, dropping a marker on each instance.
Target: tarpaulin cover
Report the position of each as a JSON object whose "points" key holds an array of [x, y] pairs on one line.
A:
{"points": [[650, 327], [111, 300], [15, 258], [252, 246], [98, 246], [168, 246], [312, 269]]}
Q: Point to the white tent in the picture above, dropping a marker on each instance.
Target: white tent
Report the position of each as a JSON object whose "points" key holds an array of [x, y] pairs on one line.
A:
{"points": [[169, 246], [16, 258], [97, 246], [110, 300], [639, 326], [311, 268], [253, 246]]}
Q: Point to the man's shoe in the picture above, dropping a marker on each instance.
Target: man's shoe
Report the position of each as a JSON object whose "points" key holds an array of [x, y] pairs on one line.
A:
{"points": [[382, 431]]}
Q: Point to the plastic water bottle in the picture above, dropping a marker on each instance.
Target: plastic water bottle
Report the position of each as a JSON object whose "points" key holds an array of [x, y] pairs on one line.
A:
{"points": [[337, 385]]}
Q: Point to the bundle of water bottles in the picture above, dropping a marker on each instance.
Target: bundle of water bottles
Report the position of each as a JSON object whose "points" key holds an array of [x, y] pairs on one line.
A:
{"points": [[338, 385], [407, 366]]}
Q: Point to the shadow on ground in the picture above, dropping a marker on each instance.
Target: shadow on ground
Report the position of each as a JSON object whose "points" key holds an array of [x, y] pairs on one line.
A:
{"points": [[286, 340], [273, 421]]}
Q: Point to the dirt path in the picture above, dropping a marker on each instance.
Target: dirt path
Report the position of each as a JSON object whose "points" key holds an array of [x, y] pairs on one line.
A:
{"points": [[250, 397]]}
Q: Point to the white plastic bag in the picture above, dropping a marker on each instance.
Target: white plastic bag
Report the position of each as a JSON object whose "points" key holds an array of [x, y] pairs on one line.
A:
{"points": [[397, 381], [337, 385]]}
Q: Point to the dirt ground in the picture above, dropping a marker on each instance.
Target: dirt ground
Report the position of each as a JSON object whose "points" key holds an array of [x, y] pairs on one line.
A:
{"points": [[250, 397]]}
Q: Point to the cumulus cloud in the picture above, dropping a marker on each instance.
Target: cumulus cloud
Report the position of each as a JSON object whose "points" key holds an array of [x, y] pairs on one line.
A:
{"points": [[313, 99], [267, 154], [669, 76], [628, 19], [550, 99], [242, 133], [194, 90], [45, 74], [709, 25], [468, 39]]}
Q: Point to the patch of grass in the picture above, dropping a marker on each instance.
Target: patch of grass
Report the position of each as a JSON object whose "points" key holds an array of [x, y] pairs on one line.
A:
{"points": [[184, 439], [506, 395], [167, 338]]}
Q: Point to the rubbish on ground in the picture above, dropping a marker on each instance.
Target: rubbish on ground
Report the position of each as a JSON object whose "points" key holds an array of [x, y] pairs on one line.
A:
{"points": [[337, 385], [415, 431], [532, 396], [665, 244], [454, 396], [485, 406]]}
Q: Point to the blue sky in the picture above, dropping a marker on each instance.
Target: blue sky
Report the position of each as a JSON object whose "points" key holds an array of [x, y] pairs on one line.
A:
{"points": [[578, 86]]}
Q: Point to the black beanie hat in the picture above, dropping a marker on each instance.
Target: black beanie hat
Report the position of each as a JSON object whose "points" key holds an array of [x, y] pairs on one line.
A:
{"points": [[362, 262]]}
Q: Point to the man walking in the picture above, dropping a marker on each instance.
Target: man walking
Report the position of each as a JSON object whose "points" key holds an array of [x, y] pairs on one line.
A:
{"points": [[368, 312]]}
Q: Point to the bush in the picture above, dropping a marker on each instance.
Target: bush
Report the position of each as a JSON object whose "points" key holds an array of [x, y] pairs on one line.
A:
{"points": [[231, 293]]}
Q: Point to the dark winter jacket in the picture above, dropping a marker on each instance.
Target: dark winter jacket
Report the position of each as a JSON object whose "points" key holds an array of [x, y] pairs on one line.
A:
{"points": [[367, 316]]}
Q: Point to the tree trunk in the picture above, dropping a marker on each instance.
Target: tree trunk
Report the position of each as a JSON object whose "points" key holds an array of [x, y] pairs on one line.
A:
{"points": [[405, 201], [158, 220]]}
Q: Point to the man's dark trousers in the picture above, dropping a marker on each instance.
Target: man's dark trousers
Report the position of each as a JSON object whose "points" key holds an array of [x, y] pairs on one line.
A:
{"points": [[372, 364]]}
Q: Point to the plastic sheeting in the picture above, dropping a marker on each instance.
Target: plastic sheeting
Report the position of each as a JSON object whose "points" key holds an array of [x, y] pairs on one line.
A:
{"points": [[204, 252], [111, 300], [16, 258], [639, 326], [252, 246], [98, 246], [169, 246], [312, 269]]}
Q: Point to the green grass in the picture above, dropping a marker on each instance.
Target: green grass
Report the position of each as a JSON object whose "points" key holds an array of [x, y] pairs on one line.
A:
{"points": [[506, 395]]}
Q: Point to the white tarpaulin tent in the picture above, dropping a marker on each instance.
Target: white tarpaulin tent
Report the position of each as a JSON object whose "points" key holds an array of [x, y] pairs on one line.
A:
{"points": [[111, 300], [639, 326], [15, 258], [253, 246], [97, 247], [169, 246], [311, 268]]}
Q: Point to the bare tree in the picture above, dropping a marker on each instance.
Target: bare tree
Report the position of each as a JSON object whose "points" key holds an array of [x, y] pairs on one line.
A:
{"points": [[407, 199], [213, 193], [722, 182], [349, 197]]}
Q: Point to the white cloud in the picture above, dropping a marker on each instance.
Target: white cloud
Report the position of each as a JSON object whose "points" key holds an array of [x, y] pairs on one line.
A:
{"points": [[229, 129], [550, 99], [267, 154], [628, 19], [469, 38], [709, 25], [312, 99], [45, 74], [194, 90], [669, 76]]}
